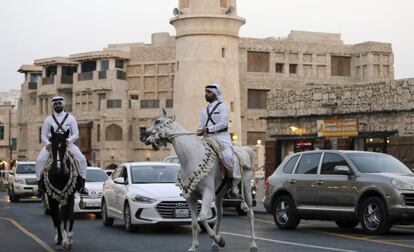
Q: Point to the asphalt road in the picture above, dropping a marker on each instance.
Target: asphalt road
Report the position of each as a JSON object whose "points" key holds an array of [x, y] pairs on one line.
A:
{"points": [[23, 227]]}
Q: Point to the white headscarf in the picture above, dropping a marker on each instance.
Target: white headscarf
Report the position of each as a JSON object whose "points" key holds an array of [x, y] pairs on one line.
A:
{"points": [[58, 98], [215, 88]]}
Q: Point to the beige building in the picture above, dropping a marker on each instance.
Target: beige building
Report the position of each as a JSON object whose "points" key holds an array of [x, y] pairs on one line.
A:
{"points": [[8, 133], [117, 92]]}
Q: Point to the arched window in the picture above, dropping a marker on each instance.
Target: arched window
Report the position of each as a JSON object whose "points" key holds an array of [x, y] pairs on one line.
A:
{"points": [[130, 133], [113, 133]]}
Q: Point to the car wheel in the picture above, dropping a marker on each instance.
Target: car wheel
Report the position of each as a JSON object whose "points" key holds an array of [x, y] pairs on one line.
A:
{"points": [[127, 219], [241, 211], [107, 221], [347, 223], [284, 213], [374, 217]]}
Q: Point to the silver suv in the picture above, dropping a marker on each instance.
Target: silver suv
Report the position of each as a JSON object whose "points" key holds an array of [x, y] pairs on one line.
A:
{"points": [[22, 181], [347, 187]]}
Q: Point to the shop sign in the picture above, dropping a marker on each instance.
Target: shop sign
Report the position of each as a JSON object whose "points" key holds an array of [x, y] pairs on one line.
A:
{"points": [[337, 127]]}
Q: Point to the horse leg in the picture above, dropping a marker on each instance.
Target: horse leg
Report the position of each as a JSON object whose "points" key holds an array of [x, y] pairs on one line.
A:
{"points": [[68, 216], [208, 197], [54, 207], [249, 202], [217, 225], [192, 204]]}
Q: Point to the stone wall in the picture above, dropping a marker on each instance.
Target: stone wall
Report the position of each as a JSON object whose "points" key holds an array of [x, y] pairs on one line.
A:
{"points": [[378, 106]]}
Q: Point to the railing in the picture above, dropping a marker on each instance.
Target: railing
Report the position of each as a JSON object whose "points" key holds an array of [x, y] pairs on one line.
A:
{"points": [[32, 85], [102, 75], [48, 80], [66, 79], [120, 75], [85, 76]]}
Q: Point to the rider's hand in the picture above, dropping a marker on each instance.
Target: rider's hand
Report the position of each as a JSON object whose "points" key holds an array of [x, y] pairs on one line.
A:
{"points": [[49, 147], [201, 132]]}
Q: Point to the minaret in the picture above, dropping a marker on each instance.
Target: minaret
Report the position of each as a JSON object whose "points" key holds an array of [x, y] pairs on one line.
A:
{"points": [[207, 51]]}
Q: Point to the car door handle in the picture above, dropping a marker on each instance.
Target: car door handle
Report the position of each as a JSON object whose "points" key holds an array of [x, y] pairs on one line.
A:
{"points": [[292, 181], [320, 182]]}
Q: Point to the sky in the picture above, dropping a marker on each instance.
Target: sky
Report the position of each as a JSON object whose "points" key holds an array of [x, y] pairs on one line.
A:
{"points": [[34, 29]]}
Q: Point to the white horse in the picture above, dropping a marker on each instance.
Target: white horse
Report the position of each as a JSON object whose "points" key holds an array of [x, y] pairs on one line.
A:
{"points": [[201, 176]]}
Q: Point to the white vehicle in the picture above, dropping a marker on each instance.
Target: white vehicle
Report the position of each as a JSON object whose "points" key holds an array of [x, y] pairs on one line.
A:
{"points": [[145, 193], [22, 181], [95, 178]]}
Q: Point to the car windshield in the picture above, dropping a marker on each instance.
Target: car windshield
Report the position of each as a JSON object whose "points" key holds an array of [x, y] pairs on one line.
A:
{"points": [[25, 168], [377, 163], [96, 176], [154, 174]]}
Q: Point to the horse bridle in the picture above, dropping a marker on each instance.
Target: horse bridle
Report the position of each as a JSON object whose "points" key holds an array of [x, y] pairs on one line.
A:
{"points": [[160, 134]]}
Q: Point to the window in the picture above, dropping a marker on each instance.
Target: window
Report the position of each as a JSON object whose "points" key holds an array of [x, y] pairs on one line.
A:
{"points": [[88, 66], [100, 98], [68, 71], [133, 101], [130, 133], [34, 77], [223, 52], [330, 161], [256, 99], [340, 66], [104, 65], [293, 68], [113, 133], [169, 103], [223, 3], [258, 62], [252, 137], [113, 104], [119, 63], [14, 144], [51, 71], [290, 165], [1, 132], [279, 67], [308, 164], [150, 104], [98, 133]]}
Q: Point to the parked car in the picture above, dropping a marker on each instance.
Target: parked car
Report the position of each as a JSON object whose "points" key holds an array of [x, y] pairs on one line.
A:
{"points": [[22, 181], [348, 187], [145, 193], [227, 201], [95, 178]]}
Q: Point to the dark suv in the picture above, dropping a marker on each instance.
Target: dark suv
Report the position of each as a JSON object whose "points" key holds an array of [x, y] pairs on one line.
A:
{"points": [[348, 187]]}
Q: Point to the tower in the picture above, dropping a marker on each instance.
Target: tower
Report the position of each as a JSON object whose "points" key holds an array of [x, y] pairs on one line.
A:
{"points": [[207, 51]]}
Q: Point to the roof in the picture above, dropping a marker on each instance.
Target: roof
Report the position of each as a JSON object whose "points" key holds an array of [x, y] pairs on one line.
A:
{"points": [[55, 61], [100, 55], [150, 163], [30, 68]]}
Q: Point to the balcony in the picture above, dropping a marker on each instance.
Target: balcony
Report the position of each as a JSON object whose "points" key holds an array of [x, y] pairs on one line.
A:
{"points": [[48, 80], [32, 86], [66, 79], [85, 76]]}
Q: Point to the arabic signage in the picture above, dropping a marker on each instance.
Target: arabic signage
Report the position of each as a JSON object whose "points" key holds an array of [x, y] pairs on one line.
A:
{"points": [[337, 127]]}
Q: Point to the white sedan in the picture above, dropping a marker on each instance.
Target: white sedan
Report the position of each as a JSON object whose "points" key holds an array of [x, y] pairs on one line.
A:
{"points": [[95, 178], [145, 193]]}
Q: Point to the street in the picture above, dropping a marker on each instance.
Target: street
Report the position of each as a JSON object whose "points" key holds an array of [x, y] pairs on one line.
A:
{"points": [[23, 227]]}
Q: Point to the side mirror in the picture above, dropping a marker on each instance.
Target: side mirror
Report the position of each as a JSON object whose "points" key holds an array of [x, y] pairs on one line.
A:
{"points": [[120, 180], [342, 170]]}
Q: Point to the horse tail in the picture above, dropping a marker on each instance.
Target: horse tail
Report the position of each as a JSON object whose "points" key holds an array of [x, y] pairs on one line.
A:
{"points": [[251, 154]]}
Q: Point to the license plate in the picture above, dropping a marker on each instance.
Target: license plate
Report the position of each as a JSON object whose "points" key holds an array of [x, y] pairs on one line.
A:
{"points": [[182, 213], [92, 204]]}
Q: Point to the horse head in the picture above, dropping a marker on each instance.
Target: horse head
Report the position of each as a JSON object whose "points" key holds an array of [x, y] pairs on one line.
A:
{"points": [[160, 133], [59, 145]]}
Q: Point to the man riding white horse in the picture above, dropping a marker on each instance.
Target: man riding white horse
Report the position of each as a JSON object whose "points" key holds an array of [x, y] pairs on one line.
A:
{"points": [[61, 122], [214, 121]]}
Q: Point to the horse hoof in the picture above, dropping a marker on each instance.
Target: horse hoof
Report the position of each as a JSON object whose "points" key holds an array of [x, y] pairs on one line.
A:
{"points": [[253, 249], [221, 242], [58, 247], [67, 246], [192, 249], [215, 247]]}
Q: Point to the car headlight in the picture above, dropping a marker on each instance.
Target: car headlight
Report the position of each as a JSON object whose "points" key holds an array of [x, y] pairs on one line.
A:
{"points": [[402, 185], [20, 181], [142, 199]]}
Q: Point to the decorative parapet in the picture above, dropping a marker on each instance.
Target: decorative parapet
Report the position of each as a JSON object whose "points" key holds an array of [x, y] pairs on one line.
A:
{"points": [[372, 97]]}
